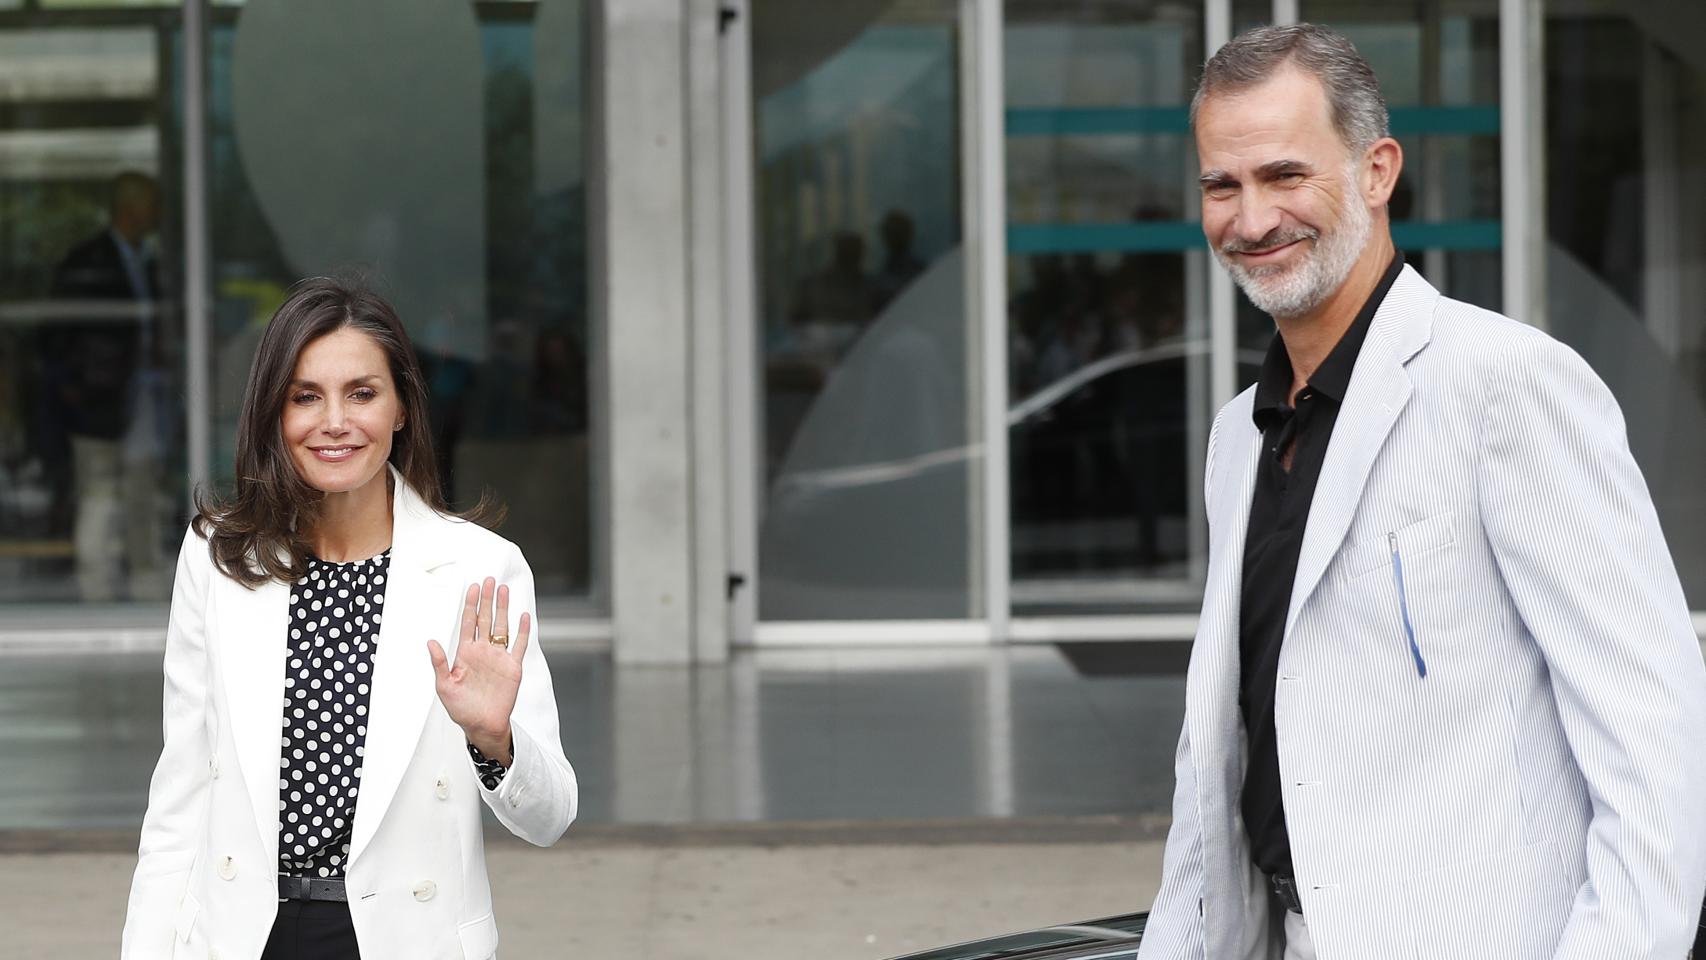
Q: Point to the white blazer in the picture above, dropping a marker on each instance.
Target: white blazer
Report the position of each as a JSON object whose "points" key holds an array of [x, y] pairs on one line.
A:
{"points": [[206, 884], [1541, 792]]}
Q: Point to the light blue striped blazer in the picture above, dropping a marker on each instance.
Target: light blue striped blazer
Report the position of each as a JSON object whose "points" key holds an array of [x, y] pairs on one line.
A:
{"points": [[1541, 791]]}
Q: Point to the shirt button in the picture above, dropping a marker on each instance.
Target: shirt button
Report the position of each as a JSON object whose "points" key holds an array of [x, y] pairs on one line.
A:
{"points": [[424, 890], [441, 788], [227, 868], [213, 767]]}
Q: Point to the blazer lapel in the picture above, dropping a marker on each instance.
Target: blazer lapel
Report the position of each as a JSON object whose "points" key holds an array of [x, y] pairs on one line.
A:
{"points": [[250, 628], [1379, 390], [422, 601]]}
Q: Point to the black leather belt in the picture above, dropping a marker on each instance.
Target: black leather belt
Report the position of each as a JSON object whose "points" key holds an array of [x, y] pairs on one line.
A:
{"points": [[311, 888], [1285, 888]]}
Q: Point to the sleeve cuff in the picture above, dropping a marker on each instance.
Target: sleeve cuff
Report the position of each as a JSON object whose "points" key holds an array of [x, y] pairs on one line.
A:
{"points": [[490, 772]]}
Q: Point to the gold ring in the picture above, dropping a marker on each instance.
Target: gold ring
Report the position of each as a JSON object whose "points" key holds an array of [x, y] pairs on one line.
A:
{"points": [[501, 639]]}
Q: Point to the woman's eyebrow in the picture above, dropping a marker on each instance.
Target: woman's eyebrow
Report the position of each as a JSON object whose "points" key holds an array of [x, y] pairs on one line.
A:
{"points": [[358, 381]]}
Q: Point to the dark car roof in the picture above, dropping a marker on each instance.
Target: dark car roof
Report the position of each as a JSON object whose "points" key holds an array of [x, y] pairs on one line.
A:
{"points": [[1111, 937]]}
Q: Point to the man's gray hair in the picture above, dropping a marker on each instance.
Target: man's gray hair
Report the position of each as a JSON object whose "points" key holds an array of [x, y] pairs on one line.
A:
{"points": [[1255, 56]]}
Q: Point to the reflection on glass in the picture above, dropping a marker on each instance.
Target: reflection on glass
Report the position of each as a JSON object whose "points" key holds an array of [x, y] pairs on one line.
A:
{"points": [[97, 4], [1625, 257], [868, 432], [1438, 64], [1105, 328], [91, 345], [1247, 14], [464, 202]]}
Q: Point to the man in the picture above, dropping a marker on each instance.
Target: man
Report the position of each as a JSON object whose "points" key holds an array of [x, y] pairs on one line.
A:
{"points": [[108, 396], [901, 265], [1445, 702]]}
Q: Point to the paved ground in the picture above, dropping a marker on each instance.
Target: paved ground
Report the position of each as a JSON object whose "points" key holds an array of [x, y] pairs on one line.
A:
{"points": [[646, 899], [831, 804], [777, 735]]}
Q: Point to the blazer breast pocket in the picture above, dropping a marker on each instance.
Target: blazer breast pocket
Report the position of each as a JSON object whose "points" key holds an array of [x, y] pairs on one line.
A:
{"points": [[1408, 544], [1400, 584]]}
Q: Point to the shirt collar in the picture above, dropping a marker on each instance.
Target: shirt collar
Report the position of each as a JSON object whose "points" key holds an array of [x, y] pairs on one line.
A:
{"points": [[1333, 377]]}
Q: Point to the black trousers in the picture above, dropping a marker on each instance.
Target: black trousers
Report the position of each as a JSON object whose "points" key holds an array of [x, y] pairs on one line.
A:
{"points": [[312, 930]]}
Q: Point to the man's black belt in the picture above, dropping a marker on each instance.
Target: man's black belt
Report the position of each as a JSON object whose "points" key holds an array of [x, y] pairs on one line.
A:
{"points": [[311, 888], [1285, 888]]}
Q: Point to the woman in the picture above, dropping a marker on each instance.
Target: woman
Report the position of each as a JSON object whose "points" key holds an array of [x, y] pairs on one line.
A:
{"points": [[304, 674]]}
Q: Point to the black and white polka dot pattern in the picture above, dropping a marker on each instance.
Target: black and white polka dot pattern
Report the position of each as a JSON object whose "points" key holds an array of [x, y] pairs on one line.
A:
{"points": [[491, 771], [335, 613]]}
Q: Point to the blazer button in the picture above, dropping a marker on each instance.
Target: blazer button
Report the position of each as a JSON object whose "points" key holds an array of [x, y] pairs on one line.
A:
{"points": [[227, 868], [441, 788], [213, 767], [424, 890]]}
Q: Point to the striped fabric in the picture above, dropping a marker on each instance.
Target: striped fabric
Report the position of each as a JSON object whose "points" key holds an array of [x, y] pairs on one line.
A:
{"points": [[1529, 779]]}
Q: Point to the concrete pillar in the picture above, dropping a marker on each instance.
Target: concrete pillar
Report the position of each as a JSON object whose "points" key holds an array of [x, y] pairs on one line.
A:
{"points": [[707, 272], [642, 244]]}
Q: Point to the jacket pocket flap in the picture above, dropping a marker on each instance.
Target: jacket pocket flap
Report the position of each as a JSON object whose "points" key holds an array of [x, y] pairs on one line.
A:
{"points": [[1374, 553], [187, 910], [479, 938]]}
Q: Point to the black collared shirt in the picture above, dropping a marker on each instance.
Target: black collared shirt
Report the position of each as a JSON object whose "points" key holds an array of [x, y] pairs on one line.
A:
{"points": [[1279, 514]]}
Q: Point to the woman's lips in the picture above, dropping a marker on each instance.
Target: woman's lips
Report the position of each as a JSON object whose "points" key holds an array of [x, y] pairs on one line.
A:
{"points": [[335, 454]]}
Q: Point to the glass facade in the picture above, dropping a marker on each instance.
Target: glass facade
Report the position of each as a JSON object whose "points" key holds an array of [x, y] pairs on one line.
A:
{"points": [[867, 346], [440, 148], [437, 153], [1625, 258], [1438, 63], [1108, 312], [1107, 331], [92, 463], [465, 205]]}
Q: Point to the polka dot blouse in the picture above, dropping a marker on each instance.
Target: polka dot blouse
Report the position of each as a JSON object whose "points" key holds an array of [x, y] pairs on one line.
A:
{"points": [[334, 628]]}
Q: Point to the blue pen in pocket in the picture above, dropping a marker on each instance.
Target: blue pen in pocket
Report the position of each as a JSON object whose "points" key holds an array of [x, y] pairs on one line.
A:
{"points": [[1404, 606]]}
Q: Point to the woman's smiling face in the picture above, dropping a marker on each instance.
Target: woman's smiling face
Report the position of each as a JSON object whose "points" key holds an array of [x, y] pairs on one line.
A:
{"points": [[340, 411]]}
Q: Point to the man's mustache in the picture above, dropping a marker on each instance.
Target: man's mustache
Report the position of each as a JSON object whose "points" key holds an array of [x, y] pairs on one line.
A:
{"points": [[1274, 239]]}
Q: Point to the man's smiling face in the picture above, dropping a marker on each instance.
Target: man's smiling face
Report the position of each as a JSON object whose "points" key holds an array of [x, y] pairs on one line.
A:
{"points": [[1282, 201]]}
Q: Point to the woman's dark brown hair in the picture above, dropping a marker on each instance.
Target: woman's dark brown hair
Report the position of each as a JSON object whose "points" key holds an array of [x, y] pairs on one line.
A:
{"points": [[258, 534]]}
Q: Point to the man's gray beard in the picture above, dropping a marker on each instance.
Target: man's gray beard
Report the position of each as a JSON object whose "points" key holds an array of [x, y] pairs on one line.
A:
{"points": [[1291, 291]]}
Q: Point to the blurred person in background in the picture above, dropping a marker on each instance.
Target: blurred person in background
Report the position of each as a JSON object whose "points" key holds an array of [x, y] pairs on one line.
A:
{"points": [[835, 304], [326, 758], [105, 386], [901, 265]]}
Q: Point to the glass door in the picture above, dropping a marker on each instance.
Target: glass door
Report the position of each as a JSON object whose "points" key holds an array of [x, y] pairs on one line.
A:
{"points": [[92, 335], [1625, 259], [867, 427], [1107, 326]]}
